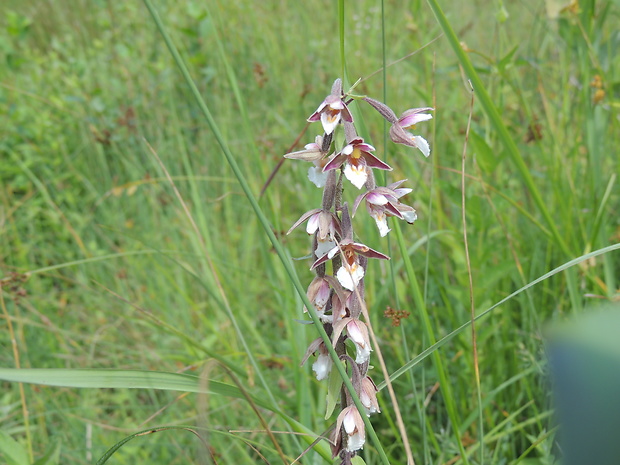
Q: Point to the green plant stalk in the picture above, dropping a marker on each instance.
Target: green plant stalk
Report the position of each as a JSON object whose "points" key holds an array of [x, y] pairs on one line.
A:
{"points": [[430, 335], [496, 121], [341, 35], [265, 224]]}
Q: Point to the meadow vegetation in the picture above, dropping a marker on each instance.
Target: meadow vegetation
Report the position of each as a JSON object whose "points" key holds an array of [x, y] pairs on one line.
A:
{"points": [[103, 266]]}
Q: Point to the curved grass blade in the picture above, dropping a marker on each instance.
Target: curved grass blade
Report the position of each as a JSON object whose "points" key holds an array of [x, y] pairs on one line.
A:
{"points": [[142, 379], [126, 379], [112, 450], [410, 364]]}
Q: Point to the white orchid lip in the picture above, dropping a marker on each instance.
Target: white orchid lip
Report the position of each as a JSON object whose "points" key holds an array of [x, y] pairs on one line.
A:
{"points": [[381, 220], [329, 120], [350, 277], [421, 143], [322, 366], [357, 158], [331, 111], [357, 174]]}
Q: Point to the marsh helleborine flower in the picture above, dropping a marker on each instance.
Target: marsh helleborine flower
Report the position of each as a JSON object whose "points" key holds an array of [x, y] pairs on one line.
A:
{"points": [[356, 157], [332, 109], [323, 364], [382, 202], [326, 223], [351, 421], [313, 152], [318, 294], [358, 333], [368, 396], [350, 273], [399, 131]]}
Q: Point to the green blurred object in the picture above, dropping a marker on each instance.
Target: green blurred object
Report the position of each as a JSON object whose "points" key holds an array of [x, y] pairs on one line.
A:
{"points": [[585, 365]]}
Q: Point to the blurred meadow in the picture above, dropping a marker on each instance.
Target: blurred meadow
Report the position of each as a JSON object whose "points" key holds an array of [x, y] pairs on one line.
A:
{"points": [[102, 265]]}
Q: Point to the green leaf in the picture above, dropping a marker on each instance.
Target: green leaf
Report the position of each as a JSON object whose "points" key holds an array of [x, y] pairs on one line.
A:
{"points": [[485, 157], [13, 451], [137, 379], [502, 65], [128, 379], [334, 384]]}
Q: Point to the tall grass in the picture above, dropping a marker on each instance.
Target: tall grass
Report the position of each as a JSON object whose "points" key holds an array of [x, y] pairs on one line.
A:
{"points": [[119, 276]]}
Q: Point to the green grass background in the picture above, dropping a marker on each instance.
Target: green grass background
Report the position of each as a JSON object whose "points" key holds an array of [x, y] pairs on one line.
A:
{"points": [[119, 278]]}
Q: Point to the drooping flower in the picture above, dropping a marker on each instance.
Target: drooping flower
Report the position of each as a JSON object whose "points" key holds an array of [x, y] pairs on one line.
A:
{"points": [[323, 364], [314, 153], [351, 421], [351, 272], [332, 109], [399, 131], [318, 294], [357, 158], [358, 333], [326, 223], [340, 302], [382, 202], [368, 396]]}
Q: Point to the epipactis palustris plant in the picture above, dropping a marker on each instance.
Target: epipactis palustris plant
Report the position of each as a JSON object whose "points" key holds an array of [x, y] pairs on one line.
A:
{"points": [[338, 298]]}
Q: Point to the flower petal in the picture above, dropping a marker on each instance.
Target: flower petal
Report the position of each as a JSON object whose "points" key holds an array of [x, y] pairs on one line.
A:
{"points": [[402, 191], [303, 218], [400, 136], [381, 221], [358, 201], [313, 223], [323, 247], [366, 251], [316, 116], [335, 162], [376, 198], [322, 366], [413, 117], [409, 215], [346, 115], [421, 143], [374, 162], [354, 427], [350, 280], [357, 174], [330, 119], [312, 152], [317, 176]]}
